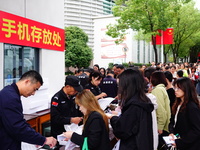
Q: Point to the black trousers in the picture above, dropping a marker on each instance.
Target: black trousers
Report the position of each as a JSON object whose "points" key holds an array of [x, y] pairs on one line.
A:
{"points": [[161, 142]]}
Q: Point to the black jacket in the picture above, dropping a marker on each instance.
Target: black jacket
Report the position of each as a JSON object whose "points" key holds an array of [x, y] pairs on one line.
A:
{"points": [[84, 79], [134, 125], [109, 86], [95, 130], [172, 96], [13, 126], [188, 127], [94, 89], [62, 109]]}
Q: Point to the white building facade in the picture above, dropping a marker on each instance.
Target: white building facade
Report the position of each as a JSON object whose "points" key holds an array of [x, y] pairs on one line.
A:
{"points": [[20, 53], [130, 50], [80, 13]]}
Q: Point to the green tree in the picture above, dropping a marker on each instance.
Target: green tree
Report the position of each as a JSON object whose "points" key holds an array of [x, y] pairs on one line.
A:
{"points": [[142, 15], [78, 53], [186, 22], [194, 53], [194, 50]]}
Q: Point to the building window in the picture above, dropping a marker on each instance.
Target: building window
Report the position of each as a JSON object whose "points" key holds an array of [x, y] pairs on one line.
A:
{"points": [[18, 60]]}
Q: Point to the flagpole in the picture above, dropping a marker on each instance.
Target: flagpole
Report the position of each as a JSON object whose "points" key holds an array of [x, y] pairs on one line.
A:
{"points": [[162, 46]]}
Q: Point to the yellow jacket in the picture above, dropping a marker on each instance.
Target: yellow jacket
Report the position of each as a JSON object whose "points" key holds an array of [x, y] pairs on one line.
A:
{"points": [[163, 113]]}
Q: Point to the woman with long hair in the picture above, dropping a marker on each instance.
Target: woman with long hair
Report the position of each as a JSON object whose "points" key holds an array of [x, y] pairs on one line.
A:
{"points": [[95, 123], [185, 120], [103, 72], [134, 126]]}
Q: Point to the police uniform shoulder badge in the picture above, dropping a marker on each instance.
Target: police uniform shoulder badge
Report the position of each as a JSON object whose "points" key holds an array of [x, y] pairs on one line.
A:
{"points": [[54, 103]]}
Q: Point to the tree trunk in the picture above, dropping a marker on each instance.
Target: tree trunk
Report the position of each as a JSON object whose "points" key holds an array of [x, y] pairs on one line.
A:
{"points": [[165, 54], [165, 58], [155, 49], [174, 55]]}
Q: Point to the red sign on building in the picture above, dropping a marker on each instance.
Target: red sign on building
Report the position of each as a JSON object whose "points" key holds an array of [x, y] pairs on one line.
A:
{"points": [[22, 31]]}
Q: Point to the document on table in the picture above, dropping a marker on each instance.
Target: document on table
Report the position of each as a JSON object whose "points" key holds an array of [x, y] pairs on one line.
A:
{"points": [[105, 102], [27, 146]]}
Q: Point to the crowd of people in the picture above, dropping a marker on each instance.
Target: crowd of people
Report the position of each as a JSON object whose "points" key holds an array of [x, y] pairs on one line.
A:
{"points": [[128, 86], [153, 102]]}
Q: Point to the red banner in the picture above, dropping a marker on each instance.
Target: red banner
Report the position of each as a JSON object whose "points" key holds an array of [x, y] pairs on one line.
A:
{"points": [[165, 37], [22, 31]]}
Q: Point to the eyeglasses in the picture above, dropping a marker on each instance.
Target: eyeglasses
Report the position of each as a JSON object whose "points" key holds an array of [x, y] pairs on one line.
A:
{"points": [[176, 88]]}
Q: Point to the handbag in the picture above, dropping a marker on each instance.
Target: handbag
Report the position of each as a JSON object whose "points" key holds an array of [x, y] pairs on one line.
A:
{"points": [[85, 144]]}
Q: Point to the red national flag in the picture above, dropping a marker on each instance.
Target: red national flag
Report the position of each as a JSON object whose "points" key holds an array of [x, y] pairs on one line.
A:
{"points": [[168, 36], [165, 37]]}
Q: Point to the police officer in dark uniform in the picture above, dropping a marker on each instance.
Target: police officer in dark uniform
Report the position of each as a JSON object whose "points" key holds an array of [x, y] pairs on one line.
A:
{"points": [[63, 108], [84, 78], [109, 84], [93, 85]]}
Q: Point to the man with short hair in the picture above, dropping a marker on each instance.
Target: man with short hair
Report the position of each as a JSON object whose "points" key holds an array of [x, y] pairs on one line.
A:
{"points": [[169, 88], [84, 78], [114, 69], [179, 74], [13, 127], [120, 69], [63, 108]]}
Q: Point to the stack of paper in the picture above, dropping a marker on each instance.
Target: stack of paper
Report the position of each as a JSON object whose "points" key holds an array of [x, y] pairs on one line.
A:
{"points": [[105, 102], [169, 140]]}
